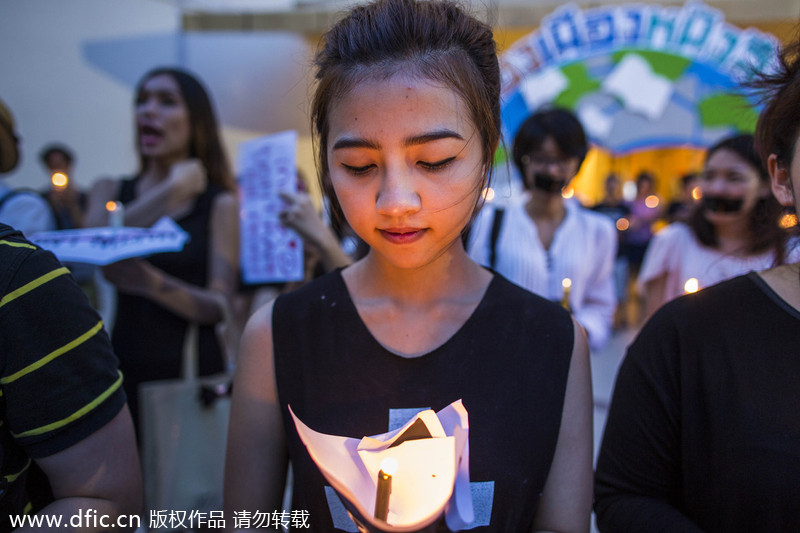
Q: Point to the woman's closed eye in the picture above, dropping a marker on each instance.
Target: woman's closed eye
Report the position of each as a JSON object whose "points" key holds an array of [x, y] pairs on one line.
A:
{"points": [[357, 170], [436, 166]]}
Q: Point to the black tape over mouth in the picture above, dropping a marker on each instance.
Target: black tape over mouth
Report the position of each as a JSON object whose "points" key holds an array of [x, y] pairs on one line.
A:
{"points": [[547, 183], [719, 204]]}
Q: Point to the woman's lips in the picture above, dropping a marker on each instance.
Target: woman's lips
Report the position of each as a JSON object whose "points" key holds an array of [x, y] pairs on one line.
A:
{"points": [[402, 235], [149, 136]]}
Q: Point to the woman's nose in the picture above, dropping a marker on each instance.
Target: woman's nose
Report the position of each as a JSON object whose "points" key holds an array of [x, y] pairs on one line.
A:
{"points": [[713, 187], [146, 106], [398, 194]]}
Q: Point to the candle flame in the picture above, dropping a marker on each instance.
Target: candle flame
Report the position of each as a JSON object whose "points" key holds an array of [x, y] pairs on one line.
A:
{"points": [[651, 201], [389, 466], [623, 224], [488, 194], [789, 220], [59, 179], [691, 285], [697, 193], [568, 193], [112, 206], [566, 283]]}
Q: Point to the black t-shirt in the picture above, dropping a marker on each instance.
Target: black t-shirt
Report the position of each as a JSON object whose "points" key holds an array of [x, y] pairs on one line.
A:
{"points": [[59, 380], [703, 433], [508, 363]]}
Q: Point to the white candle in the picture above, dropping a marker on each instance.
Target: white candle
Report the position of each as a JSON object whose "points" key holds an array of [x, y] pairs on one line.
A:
{"points": [[388, 468], [116, 214], [567, 284]]}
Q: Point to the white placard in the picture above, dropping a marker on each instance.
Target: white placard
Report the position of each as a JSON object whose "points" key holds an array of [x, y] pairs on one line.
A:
{"points": [[270, 252], [106, 245]]}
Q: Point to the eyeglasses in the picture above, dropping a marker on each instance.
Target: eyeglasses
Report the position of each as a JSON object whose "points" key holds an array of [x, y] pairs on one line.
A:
{"points": [[545, 161]]}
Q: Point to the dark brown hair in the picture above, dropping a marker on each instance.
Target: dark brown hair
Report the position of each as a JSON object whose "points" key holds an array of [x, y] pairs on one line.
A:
{"points": [[434, 39], [779, 122], [560, 124], [204, 139], [765, 231]]}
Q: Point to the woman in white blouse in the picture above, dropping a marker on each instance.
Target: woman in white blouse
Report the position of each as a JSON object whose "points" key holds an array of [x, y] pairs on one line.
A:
{"points": [[544, 240], [734, 228]]}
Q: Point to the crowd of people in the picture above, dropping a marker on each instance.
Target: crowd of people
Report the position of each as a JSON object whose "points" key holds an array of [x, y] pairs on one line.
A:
{"points": [[444, 297]]}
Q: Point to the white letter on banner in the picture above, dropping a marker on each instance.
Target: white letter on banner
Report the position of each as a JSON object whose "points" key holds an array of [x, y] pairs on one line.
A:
{"points": [[564, 31], [752, 52], [699, 22], [662, 27], [629, 24], [720, 45], [600, 28]]}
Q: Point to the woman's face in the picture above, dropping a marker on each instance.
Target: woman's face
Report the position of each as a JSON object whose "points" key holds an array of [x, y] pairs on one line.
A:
{"points": [[548, 170], [405, 162], [163, 126], [731, 187]]}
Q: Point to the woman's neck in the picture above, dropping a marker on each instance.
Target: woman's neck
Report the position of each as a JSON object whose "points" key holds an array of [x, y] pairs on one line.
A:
{"points": [[451, 276], [785, 281], [733, 237], [542, 206], [158, 168]]}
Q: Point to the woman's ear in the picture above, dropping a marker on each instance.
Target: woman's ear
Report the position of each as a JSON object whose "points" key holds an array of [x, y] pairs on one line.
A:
{"points": [[781, 180]]}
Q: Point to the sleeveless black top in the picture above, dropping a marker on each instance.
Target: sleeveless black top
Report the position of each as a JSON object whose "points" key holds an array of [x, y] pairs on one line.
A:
{"points": [[147, 338], [508, 363]]}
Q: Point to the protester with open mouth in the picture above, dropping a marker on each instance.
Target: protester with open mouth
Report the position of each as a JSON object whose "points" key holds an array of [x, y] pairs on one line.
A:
{"points": [[183, 174], [734, 228]]}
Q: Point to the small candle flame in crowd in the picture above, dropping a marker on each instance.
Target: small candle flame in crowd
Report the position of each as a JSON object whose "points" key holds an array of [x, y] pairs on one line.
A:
{"points": [[388, 469], [623, 224], [566, 283], [651, 201], [116, 214], [691, 285], [59, 180]]}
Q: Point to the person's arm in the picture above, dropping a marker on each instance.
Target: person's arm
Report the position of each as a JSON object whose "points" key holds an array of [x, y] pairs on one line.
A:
{"points": [[299, 214], [204, 305], [660, 262], [639, 474], [655, 295], [101, 473], [186, 180], [62, 393], [256, 457], [596, 310], [566, 502]]}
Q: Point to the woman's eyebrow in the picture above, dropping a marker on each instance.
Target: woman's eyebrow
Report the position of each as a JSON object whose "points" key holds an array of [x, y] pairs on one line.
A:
{"points": [[357, 142], [433, 136]]}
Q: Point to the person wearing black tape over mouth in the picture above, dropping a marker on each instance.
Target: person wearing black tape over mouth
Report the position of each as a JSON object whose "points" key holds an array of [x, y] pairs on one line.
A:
{"points": [[546, 239], [733, 229]]}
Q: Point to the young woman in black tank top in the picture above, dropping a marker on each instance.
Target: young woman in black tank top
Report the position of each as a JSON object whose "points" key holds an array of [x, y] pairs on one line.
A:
{"points": [[406, 115]]}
